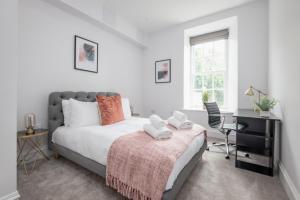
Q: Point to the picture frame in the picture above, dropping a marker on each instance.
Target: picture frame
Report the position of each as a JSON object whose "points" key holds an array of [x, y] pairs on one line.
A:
{"points": [[85, 55], [163, 71]]}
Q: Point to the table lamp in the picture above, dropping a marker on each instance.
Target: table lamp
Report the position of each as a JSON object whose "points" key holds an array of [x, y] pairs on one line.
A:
{"points": [[250, 92], [30, 123]]}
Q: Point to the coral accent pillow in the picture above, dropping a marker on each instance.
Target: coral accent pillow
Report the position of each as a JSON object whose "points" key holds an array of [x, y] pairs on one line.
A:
{"points": [[111, 109]]}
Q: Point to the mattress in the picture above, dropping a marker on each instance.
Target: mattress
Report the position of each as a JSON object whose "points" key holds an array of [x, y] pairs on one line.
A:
{"points": [[94, 142]]}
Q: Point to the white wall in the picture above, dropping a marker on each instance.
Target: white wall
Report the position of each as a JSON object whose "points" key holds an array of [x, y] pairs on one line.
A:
{"points": [[105, 15], [284, 82], [46, 36], [252, 59], [8, 102]]}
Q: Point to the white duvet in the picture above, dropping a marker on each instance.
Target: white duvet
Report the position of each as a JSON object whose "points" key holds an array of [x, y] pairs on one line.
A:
{"points": [[94, 142]]}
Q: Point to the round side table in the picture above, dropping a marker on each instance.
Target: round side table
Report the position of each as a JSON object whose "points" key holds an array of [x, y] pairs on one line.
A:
{"points": [[28, 144]]}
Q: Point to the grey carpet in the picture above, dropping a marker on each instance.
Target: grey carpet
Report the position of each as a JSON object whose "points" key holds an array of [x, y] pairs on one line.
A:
{"points": [[214, 178]]}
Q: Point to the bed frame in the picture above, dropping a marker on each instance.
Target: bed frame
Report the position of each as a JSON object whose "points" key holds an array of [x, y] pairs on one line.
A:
{"points": [[56, 119]]}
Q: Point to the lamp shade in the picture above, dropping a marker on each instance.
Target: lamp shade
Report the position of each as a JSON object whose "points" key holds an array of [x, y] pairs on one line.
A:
{"points": [[30, 120], [249, 91]]}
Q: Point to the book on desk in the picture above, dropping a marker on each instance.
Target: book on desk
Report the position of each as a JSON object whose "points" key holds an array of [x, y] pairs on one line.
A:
{"points": [[259, 139]]}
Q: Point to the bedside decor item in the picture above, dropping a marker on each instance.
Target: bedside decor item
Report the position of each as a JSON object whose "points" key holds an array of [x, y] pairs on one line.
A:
{"points": [[205, 97], [163, 71], [265, 105], [30, 123], [133, 114], [131, 109], [85, 55]]}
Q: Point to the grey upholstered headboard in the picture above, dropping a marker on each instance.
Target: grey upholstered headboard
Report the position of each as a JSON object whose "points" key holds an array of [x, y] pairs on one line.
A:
{"points": [[55, 114]]}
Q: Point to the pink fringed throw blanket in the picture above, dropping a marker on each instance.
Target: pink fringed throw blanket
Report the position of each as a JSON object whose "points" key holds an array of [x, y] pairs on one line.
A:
{"points": [[138, 166]]}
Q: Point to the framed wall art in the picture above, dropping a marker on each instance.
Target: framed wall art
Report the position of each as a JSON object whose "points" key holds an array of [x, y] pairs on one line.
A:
{"points": [[85, 55], [163, 71]]}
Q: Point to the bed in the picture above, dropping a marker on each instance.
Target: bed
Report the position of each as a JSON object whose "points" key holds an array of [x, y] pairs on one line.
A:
{"points": [[88, 146]]}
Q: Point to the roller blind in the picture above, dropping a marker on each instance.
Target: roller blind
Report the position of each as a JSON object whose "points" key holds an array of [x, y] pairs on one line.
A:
{"points": [[208, 37]]}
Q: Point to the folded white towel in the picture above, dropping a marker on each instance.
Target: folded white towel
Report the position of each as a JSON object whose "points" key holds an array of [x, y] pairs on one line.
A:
{"points": [[180, 116], [180, 125], [187, 124], [157, 122], [162, 133]]}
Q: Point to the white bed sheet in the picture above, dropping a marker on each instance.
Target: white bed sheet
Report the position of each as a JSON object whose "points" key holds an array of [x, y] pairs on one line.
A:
{"points": [[94, 142]]}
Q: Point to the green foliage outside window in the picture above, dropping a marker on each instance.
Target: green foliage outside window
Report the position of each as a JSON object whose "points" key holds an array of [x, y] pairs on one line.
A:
{"points": [[208, 62]]}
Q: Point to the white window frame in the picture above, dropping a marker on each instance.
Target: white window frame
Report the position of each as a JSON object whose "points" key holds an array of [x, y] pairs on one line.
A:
{"points": [[231, 87]]}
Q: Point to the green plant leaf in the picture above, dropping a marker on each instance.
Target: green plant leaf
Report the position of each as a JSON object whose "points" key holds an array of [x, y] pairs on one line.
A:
{"points": [[266, 104], [205, 96]]}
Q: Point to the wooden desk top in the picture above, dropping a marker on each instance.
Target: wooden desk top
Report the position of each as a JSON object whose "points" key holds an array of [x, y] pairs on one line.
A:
{"points": [[38, 133], [249, 113]]}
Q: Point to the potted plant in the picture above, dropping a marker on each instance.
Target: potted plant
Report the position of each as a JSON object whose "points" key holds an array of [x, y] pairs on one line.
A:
{"points": [[265, 105], [205, 98]]}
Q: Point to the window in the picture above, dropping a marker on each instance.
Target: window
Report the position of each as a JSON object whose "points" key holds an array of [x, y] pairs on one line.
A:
{"points": [[211, 64], [208, 68]]}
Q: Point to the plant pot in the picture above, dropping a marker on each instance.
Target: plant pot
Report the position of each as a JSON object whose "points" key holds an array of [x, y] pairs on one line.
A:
{"points": [[264, 113]]}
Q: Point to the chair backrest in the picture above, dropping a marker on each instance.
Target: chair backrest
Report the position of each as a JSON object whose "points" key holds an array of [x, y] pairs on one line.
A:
{"points": [[214, 114]]}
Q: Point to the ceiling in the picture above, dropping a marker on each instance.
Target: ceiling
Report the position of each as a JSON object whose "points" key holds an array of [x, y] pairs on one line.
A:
{"points": [[153, 15]]}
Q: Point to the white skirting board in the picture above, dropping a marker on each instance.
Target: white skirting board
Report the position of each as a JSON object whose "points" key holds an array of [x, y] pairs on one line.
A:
{"points": [[287, 183], [12, 196]]}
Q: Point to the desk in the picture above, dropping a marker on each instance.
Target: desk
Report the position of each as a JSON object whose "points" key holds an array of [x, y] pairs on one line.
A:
{"points": [[258, 139]]}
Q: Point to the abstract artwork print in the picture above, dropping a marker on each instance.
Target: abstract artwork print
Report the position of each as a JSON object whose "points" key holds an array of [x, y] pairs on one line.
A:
{"points": [[86, 55], [163, 71]]}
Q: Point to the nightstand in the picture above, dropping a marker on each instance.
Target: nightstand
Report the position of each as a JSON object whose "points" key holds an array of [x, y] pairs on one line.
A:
{"points": [[30, 144]]}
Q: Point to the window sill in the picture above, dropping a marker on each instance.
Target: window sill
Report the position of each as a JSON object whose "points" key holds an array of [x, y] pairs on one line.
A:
{"points": [[223, 111], [194, 109]]}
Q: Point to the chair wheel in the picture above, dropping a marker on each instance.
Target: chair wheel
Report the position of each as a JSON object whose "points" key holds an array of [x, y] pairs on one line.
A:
{"points": [[247, 155], [207, 149], [214, 143], [227, 157]]}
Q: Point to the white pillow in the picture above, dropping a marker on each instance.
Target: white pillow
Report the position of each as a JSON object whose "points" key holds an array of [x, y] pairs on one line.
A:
{"points": [[84, 113], [126, 108], [66, 107]]}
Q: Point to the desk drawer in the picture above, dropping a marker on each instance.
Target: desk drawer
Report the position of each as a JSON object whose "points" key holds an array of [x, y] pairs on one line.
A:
{"points": [[251, 141]]}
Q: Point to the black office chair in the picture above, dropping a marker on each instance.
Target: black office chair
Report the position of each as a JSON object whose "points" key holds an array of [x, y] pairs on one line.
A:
{"points": [[216, 121]]}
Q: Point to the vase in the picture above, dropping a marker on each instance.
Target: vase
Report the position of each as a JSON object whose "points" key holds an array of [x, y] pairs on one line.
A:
{"points": [[264, 113]]}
